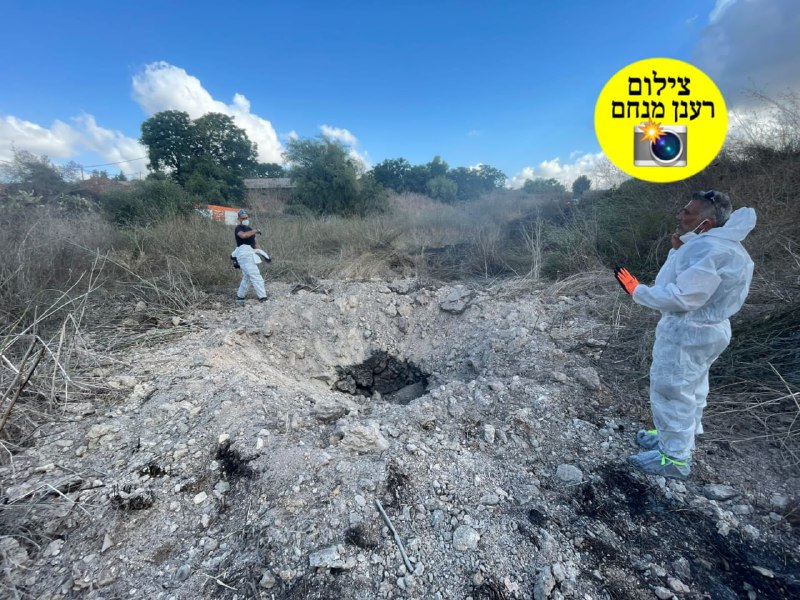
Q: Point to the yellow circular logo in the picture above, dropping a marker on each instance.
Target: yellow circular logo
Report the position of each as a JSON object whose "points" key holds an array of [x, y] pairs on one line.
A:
{"points": [[661, 120]]}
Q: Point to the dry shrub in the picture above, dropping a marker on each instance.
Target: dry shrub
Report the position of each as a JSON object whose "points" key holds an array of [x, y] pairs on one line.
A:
{"points": [[44, 254]]}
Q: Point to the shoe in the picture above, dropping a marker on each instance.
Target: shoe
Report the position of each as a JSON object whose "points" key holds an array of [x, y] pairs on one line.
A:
{"points": [[655, 462], [264, 299], [239, 301], [647, 439]]}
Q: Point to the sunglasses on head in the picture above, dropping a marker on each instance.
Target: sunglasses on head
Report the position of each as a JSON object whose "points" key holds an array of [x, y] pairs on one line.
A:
{"points": [[710, 195]]}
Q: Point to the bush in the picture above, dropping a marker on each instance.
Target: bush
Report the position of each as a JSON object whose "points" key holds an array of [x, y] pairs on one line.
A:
{"points": [[144, 202], [327, 180]]}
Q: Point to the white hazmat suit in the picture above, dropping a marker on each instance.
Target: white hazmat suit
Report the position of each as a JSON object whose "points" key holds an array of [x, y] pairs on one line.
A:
{"points": [[699, 287], [249, 260]]}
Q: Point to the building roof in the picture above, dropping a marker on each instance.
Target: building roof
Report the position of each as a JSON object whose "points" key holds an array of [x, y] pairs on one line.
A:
{"points": [[268, 183]]}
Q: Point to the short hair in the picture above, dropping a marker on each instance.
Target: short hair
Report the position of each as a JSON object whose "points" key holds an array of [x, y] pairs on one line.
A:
{"points": [[717, 203]]}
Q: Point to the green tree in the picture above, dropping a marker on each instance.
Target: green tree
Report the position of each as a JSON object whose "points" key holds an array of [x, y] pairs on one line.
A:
{"points": [[326, 179], [210, 152], [120, 177], [437, 167], [170, 140], [442, 188], [581, 185], [392, 173], [218, 138], [416, 179], [268, 170], [543, 186], [473, 182]]}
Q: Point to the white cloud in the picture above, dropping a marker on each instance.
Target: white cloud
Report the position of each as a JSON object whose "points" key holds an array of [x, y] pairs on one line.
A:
{"points": [[340, 134], [349, 141], [57, 141], [112, 146], [595, 166], [751, 44], [162, 86], [65, 141], [719, 9]]}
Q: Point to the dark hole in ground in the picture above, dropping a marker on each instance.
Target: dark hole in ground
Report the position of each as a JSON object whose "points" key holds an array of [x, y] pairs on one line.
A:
{"points": [[396, 381], [362, 537], [153, 469], [397, 481], [231, 462], [644, 521], [489, 590]]}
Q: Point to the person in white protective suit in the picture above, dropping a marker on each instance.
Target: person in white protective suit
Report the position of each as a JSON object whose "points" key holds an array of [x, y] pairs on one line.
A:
{"points": [[247, 257], [703, 282]]}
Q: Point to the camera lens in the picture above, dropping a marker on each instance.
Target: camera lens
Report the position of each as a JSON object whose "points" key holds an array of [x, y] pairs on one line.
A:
{"points": [[667, 148]]}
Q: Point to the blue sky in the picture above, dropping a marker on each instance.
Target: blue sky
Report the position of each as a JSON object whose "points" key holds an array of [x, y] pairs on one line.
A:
{"points": [[509, 84]]}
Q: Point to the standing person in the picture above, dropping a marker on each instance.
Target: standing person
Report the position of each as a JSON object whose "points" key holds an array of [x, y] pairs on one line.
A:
{"points": [[247, 257], [703, 282]]}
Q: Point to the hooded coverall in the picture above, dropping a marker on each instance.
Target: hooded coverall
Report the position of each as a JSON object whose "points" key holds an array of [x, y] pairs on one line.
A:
{"points": [[699, 287], [248, 263]]}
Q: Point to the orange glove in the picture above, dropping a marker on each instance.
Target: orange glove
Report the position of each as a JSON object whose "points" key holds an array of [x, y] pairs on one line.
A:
{"points": [[626, 280]]}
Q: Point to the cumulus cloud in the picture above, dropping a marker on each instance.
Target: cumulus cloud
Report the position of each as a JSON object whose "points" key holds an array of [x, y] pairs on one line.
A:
{"points": [[64, 141], [57, 141], [349, 141], [751, 44], [595, 166], [162, 86]]}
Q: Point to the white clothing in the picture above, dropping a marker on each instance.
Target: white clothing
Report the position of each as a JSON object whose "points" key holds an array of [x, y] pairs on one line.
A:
{"points": [[699, 287], [248, 262]]}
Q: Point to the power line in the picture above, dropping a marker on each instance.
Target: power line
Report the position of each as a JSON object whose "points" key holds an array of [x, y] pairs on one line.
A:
{"points": [[113, 163]]}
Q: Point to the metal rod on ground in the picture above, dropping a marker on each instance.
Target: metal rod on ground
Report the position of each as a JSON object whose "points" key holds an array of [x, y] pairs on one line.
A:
{"points": [[396, 537]]}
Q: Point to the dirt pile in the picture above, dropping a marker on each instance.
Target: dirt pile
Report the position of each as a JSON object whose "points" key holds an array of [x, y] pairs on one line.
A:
{"points": [[250, 458]]}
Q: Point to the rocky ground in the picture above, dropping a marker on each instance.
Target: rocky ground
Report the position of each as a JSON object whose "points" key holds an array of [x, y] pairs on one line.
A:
{"points": [[247, 452]]}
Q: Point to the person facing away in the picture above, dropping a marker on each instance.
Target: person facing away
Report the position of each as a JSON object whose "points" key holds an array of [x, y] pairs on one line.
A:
{"points": [[246, 255], [703, 282]]}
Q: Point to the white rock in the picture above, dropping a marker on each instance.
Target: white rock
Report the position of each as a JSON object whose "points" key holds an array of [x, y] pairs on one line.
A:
{"points": [[545, 582], [465, 538], [716, 491], [363, 438], [569, 474], [200, 498]]}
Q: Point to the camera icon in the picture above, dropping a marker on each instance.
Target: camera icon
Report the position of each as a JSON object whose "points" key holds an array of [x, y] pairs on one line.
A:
{"points": [[669, 150]]}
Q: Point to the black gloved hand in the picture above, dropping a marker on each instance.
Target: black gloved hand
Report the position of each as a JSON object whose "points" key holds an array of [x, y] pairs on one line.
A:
{"points": [[258, 231]]}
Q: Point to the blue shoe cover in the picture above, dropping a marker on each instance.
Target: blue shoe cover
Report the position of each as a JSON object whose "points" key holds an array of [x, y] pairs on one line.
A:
{"points": [[647, 439], [655, 462]]}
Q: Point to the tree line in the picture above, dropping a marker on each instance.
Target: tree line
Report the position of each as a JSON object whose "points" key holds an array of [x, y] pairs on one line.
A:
{"points": [[207, 160]]}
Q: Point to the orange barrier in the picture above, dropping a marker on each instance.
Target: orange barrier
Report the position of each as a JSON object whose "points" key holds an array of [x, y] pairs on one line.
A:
{"points": [[221, 214]]}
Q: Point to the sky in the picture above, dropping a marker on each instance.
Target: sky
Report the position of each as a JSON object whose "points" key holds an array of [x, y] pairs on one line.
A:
{"points": [[511, 84]]}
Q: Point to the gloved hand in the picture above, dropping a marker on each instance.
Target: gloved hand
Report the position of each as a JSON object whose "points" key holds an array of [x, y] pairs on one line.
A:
{"points": [[258, 231], [626, 280]]}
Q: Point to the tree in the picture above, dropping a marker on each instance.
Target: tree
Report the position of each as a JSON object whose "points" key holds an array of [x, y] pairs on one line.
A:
{"points": [[416, 179], [326, 179], [34, 174], [442, 188], [268, 170], [218, 138], [170, 140], [473, 182], [211, 152], [437, 167], [543, 186], [120, 176], [392, 173], [581, 185]]}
